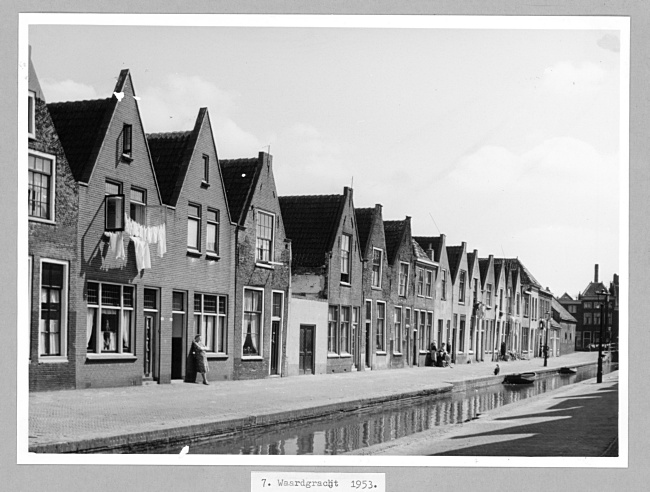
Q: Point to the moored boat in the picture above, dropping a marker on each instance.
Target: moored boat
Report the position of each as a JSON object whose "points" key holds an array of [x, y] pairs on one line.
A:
{"points": [[568, 370], [523, 378]]}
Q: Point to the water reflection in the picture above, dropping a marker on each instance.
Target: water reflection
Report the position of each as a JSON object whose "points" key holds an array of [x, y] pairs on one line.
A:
{"points": [[353, 431]]}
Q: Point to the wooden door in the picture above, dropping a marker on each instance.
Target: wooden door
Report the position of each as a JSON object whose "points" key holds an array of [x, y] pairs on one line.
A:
{"points": [[306, 358]]}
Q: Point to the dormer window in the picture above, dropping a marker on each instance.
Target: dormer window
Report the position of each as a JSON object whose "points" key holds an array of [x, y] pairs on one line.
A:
{"points": [[31, 114], [127, 141]]}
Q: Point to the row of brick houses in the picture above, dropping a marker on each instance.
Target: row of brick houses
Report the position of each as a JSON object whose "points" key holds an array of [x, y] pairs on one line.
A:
{"points": [[138, 241]]}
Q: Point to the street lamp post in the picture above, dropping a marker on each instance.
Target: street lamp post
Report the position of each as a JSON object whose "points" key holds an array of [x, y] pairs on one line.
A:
{"points": [[599, 374], [548, 321]]}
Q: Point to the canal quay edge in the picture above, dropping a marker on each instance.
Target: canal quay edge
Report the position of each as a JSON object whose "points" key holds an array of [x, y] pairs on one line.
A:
{"points": [[169, 437]]}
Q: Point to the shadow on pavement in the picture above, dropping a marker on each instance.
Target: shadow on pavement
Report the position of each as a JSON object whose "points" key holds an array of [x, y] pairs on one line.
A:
{"points": [[584, 426]]}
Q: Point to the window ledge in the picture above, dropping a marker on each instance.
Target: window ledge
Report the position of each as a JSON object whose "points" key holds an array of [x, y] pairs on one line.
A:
{"points": [[42, 221], [111, 356], [127, 157], [331, 355], [374, 287], [346, 284], [252, 357], [216, 355], [424, 352], [268, 266], [380, 352], [399, 354], [53, 359], [345, 355], [194, 252], [205, 184], [210, 257]]}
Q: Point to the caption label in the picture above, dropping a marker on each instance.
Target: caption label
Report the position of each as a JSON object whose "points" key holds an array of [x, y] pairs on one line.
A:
{"points": [[317, 482]]}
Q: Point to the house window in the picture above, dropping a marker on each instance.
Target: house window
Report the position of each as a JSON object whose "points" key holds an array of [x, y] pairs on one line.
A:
{"points": [[332, 330], [470, 347], [264, 243], [212, 239], [419, 287], [397, 321], [210, 321], [109, 322], [138, 205], [355, 326], [488, 295], [252, 334], [509, 302], [501, 299], [444, 285], [381, 325], [587, 305], [407, 319], [526, 305], [475, 290], [345, 257], [113, 206], [422, 330], [428, 282], [461, 291], [376, 267], [31, 114], [403, 278], [206, 168], [587, 318], [597, 318], [533, 310], [345, 329], [53, 316], [193, 226], [41, 186], [517, 303], [127, 140]]}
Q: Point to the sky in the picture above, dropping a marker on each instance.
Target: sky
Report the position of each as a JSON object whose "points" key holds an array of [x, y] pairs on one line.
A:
{"points": [[506, 139]]}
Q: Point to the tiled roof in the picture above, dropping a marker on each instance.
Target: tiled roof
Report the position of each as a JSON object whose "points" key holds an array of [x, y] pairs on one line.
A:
{"points": [[168, 154], [454, 256], [418, 251], [81, 126], [434, 241], [567, 298], [240, 178], [593, 288], [526, 277], [483, 265], [393, 232], [564, 314], [364, 224], [311, 222]]}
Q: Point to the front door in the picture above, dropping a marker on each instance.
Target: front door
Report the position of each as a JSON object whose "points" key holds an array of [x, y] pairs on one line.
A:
{"points": [[275, 346], [368, 333], [151, 334], [306, 358]]}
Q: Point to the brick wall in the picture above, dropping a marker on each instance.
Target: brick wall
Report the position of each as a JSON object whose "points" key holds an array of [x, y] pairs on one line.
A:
{"points": [[55, 241], [269, 278]]}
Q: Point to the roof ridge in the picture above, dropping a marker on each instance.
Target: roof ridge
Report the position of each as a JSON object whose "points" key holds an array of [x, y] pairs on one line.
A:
{"points": [[169, 134], [79, 101]]}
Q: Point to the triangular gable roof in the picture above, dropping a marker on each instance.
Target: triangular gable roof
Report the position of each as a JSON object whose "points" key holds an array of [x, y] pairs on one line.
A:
{"points": [[434, 241], [172, 155], [311, 222], [472, 262], [454, 256], [394, 231], [81, 126], [240, 178], [567, 298], [484, 267], [364, 218], [564, 314], [498, 270], [85, 123]]}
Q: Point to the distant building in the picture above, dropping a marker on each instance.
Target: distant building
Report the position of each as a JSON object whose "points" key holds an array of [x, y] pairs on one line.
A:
{"points": [[567, 325]]}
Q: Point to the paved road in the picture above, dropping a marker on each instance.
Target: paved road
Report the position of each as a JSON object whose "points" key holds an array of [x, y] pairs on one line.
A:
{"points": [[579, 420], [78, 420]]}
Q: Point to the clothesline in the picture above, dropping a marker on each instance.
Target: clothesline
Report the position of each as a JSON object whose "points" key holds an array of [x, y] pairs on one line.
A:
{"points": [[141, 236]]}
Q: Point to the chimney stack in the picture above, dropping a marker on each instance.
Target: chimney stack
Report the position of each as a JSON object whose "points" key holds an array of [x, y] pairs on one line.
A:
{"points": [[596, 274]]}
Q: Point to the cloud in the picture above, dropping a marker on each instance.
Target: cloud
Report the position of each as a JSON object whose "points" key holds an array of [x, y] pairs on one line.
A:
{"points": [[66, 90], [610, 42], [567, 78], [174, 104]]}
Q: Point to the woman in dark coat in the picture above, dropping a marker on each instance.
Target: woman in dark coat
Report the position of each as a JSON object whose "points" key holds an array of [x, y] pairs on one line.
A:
{"points": [[200, 358]]}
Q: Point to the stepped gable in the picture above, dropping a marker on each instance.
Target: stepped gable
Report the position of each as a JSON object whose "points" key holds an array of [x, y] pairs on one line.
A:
{"points": [[364, 218], [311, 222], [240, 177], [434, 241], [81, 126], [393, 232]]}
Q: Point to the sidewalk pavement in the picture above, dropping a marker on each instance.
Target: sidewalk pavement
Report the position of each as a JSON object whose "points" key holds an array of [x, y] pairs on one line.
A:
{"points": [[127, 419], [578, 420]]}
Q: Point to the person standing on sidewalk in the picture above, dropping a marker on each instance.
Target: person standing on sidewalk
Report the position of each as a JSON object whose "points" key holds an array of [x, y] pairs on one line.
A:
{"points": [[200, 358]]}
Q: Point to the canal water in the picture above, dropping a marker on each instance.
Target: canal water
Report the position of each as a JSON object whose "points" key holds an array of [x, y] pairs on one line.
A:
{"points": [[346, 432]]}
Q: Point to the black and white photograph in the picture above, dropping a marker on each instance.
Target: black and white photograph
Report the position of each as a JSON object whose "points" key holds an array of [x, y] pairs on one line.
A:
{"points": [[323, 241]]}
